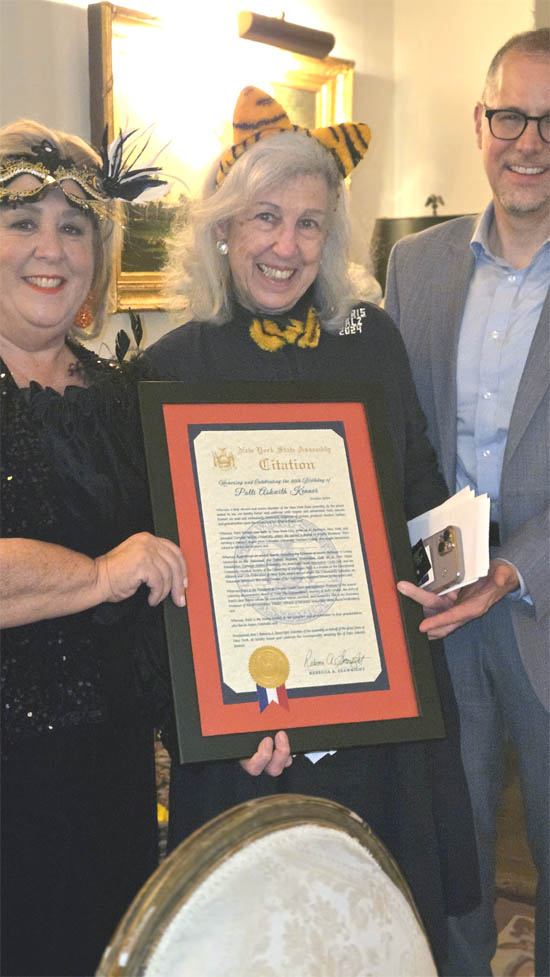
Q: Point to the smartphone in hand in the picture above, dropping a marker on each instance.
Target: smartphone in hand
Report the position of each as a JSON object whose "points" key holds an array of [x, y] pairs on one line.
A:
{"points": [[444, 551]]}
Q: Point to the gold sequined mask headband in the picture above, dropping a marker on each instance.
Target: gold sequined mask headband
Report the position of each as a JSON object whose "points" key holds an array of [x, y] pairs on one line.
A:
{"points": [[117, 178], [258, 115]]}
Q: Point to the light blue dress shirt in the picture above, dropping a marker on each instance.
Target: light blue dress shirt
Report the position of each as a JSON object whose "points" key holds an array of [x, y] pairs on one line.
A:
{"points": [[500, 318]]}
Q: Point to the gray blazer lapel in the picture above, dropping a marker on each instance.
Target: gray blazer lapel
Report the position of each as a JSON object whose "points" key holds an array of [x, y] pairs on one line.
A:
{"points": [[444, 343], [534, 381]]}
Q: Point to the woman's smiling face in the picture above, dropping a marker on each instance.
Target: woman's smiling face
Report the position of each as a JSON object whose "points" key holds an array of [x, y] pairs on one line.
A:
{"points": [[46, 267], [275, 246]]}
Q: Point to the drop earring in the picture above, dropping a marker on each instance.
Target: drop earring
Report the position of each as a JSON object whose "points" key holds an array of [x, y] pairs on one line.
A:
{"points": [[222, 247], [85, 316]]}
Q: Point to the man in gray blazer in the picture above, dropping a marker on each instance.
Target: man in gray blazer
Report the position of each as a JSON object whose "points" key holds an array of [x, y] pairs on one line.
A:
{"points": [[471, 299]]}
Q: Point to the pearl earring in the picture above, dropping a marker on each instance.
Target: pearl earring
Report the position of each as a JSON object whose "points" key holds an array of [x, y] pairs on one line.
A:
{"points": [[222, 247]]}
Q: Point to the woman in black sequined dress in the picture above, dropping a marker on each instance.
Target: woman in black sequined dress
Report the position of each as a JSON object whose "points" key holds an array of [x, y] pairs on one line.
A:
{"points": [[81, 574]]}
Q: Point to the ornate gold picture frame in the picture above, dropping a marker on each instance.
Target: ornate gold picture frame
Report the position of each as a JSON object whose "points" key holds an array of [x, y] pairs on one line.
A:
{"points": [[314, 93]]}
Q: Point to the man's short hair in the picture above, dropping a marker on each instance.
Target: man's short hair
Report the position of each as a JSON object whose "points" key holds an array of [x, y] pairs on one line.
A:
{"points": [[529, 42]]}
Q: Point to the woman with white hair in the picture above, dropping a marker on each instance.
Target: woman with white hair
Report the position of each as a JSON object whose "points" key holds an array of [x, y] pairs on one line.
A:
{"points": [[262, 262]]}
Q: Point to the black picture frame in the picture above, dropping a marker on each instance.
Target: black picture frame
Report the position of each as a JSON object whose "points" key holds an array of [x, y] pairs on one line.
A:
{"points": [[219, 401]]}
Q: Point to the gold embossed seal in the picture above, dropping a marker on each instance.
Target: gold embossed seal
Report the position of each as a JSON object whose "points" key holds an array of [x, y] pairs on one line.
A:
{"points": [[269, 667]]}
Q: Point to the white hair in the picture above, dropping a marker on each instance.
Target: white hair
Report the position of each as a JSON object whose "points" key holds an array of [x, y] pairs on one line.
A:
{"points": [[198, 277]]}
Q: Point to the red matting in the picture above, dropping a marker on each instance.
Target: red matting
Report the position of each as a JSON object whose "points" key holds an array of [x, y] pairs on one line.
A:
{"points": [[396, 702]]}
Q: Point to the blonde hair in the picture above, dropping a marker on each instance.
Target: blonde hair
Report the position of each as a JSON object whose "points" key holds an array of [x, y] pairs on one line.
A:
{"points": [[198, 277], [18, 138]]}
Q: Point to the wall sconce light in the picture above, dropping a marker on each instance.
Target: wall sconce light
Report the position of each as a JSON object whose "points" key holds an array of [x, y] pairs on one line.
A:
{"points": [[278, 32]]}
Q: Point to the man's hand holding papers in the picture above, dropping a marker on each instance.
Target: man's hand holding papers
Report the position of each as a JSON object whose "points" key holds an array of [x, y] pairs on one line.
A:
{"points": [[485, 582]]}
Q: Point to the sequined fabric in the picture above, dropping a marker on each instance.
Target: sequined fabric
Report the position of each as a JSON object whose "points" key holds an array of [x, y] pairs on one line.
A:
{"points": [[72, 473]]}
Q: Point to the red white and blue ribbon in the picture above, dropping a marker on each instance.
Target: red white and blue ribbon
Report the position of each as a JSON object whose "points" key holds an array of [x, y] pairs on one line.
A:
{"points": [[278, 695]]}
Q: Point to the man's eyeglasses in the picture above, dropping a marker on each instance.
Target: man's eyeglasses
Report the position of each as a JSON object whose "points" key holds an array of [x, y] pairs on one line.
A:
{"points": [[510, 124]]}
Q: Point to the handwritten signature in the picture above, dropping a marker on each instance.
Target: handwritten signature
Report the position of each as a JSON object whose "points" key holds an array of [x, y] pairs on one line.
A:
{"points": [[339, 660]]}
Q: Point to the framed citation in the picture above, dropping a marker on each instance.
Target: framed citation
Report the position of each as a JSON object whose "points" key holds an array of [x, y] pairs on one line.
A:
{"points": [[285, 503]]}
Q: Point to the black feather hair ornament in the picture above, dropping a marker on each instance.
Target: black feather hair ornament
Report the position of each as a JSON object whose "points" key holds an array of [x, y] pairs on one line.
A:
{"points": [[122, 341], [122, 344], [137, 328], [120, 177]]}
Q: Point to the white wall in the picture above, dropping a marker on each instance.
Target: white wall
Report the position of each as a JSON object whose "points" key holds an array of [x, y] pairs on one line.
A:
{"points": [[44, 64], [441, 54]]}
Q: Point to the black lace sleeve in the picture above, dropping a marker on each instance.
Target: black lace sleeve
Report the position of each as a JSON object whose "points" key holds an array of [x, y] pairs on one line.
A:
{"points": [[72, 471]]}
